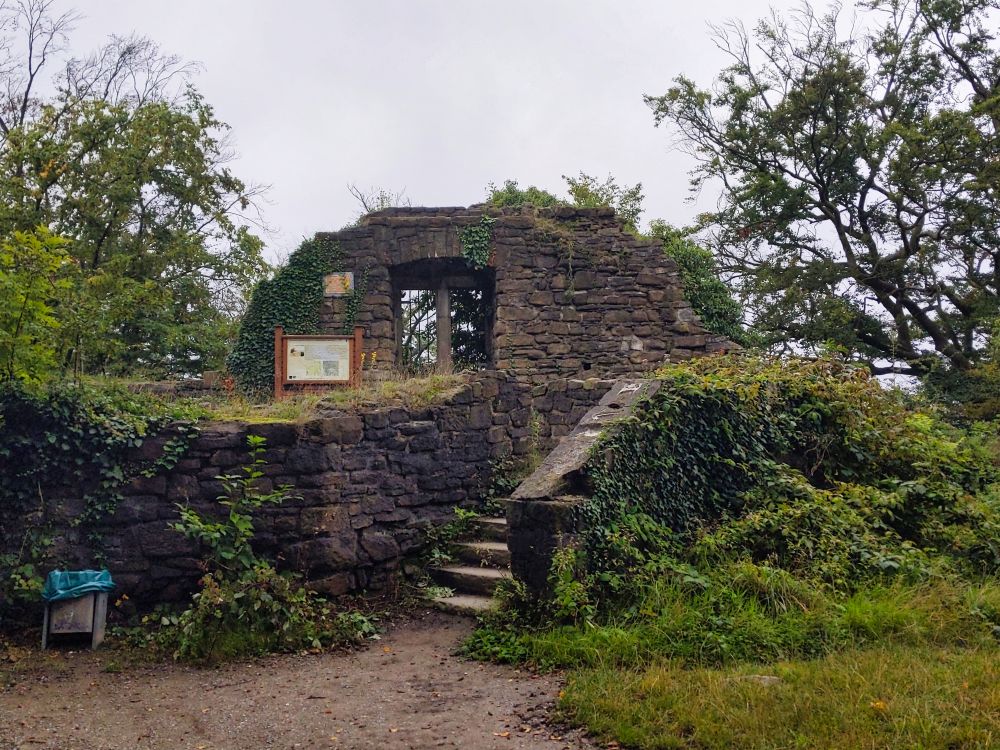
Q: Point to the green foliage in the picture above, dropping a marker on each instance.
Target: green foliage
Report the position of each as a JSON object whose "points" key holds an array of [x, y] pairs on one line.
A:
{"points": [[65, 441], [259, 612], [32, 276], [732, 612], [227, 539], [244, 607], [21, 573], [477, 240], [817, 451], [512, 195], [859, 197], [972, 394], [292, 299], [438, 540], [756, 510], [127, 162], [708, 295], [586, 192]]}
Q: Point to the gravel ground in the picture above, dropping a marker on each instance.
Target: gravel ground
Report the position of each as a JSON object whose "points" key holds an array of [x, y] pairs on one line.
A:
{"points": [[407, 690]]}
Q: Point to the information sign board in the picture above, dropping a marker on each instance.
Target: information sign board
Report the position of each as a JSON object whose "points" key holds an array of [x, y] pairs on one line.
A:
{"points": [[316, 361], [338, 284]]}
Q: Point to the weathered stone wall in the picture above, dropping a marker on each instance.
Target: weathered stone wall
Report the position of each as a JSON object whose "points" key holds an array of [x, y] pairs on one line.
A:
{"points": [[576, 295], [367, 483], [577, 301]]}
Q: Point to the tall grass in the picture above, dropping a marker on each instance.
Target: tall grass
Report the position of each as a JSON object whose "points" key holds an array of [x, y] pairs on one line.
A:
{"points": [[750, 613]]}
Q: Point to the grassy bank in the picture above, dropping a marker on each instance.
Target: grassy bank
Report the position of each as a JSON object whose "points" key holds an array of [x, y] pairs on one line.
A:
{"points": [[894, 697], [776, 554]]}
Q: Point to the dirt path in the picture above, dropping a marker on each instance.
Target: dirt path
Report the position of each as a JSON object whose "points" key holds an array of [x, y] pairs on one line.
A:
{"points": [[406, 691]]}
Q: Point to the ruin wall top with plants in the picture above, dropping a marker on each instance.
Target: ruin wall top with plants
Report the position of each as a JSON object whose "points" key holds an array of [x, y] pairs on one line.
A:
{"points": [[570, 293]]}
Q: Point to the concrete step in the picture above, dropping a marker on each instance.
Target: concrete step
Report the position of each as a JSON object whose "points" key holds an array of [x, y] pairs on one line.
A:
{"points": [[468, 579], [463, 604], [490, 529], [494, 554]]}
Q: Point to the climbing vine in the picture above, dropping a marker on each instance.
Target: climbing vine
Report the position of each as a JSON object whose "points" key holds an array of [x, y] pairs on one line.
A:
{"points": [[71, 441], [476, 242], [810, 455], [292, 299]]}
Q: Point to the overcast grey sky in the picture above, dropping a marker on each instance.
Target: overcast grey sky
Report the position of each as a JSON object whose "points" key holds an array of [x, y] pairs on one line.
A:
{"points": [[439, 97]]}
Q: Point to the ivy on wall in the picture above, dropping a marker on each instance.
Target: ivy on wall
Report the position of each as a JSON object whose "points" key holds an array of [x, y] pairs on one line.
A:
{"points": [[476, 242], [70, 441], [292, 299], [780, 443]]}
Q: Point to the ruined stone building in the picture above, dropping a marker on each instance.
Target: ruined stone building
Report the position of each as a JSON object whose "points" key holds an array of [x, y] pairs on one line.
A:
{"points": [[547, 306], [566, 292]]}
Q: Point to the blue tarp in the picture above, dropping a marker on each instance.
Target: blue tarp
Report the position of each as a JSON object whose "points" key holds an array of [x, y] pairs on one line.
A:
{"points": [[69, 584]]}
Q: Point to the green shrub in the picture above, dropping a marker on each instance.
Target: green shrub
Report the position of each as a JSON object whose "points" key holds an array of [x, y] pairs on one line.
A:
{"points": [[756, 510], [258, 612], [809, 464], [244, 607], [513, 195]]}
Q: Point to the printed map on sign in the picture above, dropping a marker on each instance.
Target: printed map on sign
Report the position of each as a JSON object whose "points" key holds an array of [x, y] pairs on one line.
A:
{"points": [[318, 360]]}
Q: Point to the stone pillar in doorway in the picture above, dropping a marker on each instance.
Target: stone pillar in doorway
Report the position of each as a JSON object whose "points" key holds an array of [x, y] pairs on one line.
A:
{"points": [[443, 329]]}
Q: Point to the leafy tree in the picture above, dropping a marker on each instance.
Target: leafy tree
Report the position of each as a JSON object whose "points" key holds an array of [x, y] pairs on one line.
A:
{"points": [[707, 293], [32, 274], [126, 161], [859, 176]]}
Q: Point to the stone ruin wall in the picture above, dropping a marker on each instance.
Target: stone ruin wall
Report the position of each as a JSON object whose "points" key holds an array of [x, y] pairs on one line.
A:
{"points": [[368, 484], [576, 295], [578, 302]]}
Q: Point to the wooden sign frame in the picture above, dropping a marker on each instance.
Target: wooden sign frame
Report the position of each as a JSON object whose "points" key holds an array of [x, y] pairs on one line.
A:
{"points": [[355, 344]]}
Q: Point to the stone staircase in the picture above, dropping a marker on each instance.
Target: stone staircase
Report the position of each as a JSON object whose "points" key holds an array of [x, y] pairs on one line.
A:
{"points": [[478, 569], [542, 512]]}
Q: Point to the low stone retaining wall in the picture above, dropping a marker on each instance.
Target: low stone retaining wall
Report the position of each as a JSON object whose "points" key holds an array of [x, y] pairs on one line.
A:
{"points": [[367, 485]]}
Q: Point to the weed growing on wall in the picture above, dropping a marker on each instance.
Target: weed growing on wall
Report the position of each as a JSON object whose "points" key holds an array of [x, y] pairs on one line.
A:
{"points": [[477, 241]]}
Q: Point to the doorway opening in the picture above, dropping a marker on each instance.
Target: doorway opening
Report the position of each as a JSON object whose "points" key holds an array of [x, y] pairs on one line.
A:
{"points": [[444, 315]]}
